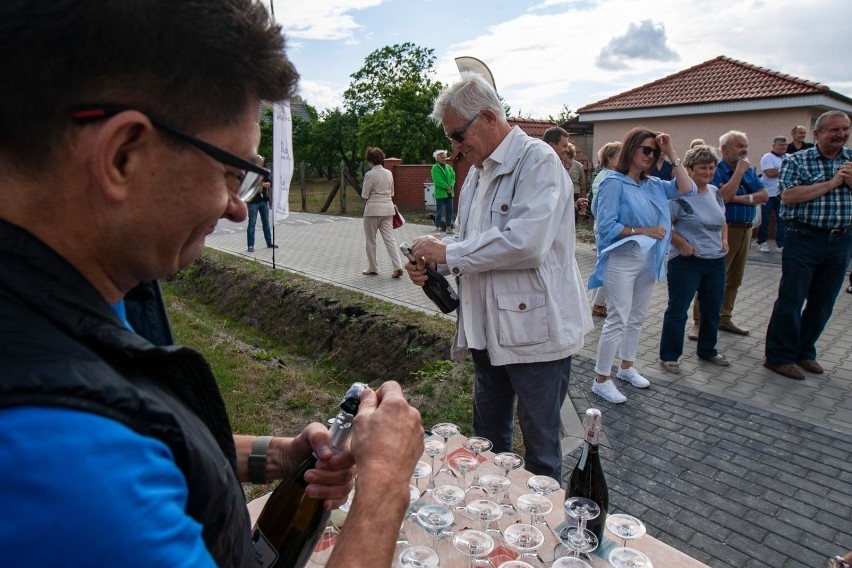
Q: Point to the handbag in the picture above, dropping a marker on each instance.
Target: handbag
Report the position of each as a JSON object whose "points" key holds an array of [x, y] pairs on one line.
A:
{"points": [[398, 219]]}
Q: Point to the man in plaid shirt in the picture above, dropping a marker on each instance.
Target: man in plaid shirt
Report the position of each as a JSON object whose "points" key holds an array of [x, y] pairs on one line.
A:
{"points": [[815, 186]]}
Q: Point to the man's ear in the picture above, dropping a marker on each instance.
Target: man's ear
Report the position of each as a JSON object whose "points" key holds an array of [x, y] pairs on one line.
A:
{"points": [[123, 149]]}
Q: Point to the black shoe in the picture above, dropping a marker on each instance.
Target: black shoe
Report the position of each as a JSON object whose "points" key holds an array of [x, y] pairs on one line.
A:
{"points": [[272, 246], [251, 249]]}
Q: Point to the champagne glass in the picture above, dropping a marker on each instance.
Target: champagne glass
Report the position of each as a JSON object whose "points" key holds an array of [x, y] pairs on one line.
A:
{"points": [[477, 445], [534, 505], [524, 538], [464, 463], [543, 485], [421, 470], [446, 430], [413, 496], [418, 557], [625, 526], [622, 557], [435, 518], [449, 495], [515, 564], [433, 448], [486, 511], [570, 562], [507, 461], [474, 544], [578, 538], [325, 545], [497, 485]]}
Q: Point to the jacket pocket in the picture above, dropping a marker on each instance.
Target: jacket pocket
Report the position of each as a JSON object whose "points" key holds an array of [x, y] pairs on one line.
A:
{"points": [[522, 318]]}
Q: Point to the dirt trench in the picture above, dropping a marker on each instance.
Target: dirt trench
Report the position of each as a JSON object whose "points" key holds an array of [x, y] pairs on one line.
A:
{"points": [[370, 345]]}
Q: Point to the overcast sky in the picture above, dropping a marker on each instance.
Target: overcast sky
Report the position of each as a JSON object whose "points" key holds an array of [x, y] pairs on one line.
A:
{"points": [[549, 53]]}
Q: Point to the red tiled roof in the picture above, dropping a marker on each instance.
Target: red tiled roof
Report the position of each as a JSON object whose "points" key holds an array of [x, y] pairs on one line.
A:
{"points": [[720, 79], [536, 128]]}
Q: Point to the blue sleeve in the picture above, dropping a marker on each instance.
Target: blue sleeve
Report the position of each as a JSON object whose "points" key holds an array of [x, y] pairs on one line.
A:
{"points": [[84, 490], [608, 203]]}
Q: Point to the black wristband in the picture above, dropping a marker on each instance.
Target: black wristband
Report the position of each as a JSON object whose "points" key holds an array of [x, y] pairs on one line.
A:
{"points": [[257, 459]]}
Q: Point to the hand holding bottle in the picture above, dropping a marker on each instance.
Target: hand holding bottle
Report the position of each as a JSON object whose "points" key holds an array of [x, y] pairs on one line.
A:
{"points": [[429, 250], [331, 478]]}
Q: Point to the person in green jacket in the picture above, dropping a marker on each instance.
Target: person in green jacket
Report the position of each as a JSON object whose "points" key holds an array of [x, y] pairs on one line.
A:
{"points": [[444, 179]]}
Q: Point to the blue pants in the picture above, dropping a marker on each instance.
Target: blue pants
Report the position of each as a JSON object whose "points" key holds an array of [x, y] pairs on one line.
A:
{"points": [[253, 210], [541, 389], [766, 210], [445, 205], [687, 275], [813, 269]]}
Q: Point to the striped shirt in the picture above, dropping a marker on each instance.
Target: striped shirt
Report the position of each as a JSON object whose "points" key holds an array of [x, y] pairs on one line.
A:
{"points": [[832, 210]]}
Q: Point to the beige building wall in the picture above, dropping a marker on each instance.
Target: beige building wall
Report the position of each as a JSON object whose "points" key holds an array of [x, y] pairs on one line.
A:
{"points": [[760, 127]]}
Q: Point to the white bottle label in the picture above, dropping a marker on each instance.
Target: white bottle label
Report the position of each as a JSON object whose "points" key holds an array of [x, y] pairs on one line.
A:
{"points": [[265, 555]]}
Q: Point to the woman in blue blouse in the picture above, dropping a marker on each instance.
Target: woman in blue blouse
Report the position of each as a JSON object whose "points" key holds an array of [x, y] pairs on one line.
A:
{"points": [[633, 235]]}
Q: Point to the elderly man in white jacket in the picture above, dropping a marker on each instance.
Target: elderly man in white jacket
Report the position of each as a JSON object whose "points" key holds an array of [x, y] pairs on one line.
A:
{"points": [[523, 310]]}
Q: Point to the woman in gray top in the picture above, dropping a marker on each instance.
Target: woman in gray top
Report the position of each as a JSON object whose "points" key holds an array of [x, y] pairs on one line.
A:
{"points": [[696, 263]]}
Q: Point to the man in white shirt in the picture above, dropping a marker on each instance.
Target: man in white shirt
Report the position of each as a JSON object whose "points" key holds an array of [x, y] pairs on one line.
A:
{"points": [[523, 310], [770, 163]]}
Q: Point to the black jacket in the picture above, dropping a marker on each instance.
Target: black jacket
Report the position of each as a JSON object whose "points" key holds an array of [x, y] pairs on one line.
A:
{"points": [[62, 345]]}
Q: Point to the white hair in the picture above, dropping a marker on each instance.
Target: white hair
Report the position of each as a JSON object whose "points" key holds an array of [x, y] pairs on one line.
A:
{"points": [[730, 135], [437, 153], [468, 97]]}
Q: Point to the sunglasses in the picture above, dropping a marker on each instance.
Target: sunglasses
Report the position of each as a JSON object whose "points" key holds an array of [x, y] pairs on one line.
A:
{"points": [[648, 150], [458, 135], [252, 177]]}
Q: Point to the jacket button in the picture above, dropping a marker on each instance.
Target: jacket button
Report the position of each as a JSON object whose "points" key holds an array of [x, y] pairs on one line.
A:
{"points": [[456, 270], [504, 208], [522, 306]]}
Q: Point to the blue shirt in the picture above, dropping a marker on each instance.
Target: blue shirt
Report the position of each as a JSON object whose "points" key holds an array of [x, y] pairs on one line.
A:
{"points": [[735, 212], [78, 489], [832, 210], [622, 202]]}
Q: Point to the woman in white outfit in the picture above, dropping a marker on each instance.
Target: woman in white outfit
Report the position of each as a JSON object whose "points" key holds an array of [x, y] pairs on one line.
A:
{"points": [[632, 235], [378, 212]]}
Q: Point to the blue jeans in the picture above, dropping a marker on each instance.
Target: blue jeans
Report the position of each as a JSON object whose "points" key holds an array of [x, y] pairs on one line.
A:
{"points": [[687, 275], [445, 205], [813, 269], [766, 210], [253, 210], [541, 389]]}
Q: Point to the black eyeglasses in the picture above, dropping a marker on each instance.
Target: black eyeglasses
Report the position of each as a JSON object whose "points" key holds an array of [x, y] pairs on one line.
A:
{"points": [[648, 150], [458, 135], [252, 177]]}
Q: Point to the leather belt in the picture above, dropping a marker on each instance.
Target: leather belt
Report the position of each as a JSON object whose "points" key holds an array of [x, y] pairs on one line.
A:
{"points": [[821, 230], [740, 225]]}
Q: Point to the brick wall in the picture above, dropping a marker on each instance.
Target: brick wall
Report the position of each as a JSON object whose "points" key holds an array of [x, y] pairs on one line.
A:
{"points": [[408, 183]]}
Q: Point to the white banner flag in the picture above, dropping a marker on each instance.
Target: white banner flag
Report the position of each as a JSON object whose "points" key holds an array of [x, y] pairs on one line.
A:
{"points": [[282, 159]]}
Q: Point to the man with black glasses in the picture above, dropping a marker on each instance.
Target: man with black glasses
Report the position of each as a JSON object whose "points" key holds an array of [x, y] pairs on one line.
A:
{"points": [[127, 130], [523, 310]]}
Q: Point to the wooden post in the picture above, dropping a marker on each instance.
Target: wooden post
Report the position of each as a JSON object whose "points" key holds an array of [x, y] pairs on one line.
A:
{"points": [[343, 187], [302, 183]]}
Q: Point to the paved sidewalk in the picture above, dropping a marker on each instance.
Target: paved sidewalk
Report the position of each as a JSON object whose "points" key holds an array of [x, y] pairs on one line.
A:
{"points": [[736, 466]]}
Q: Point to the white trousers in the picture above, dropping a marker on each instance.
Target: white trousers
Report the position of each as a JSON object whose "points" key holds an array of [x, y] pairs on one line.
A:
{"points": [[384, 225], [629, 283]]}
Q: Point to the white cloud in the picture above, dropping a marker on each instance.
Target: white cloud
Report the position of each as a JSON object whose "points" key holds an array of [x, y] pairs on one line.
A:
{"points": [[321, 96], [644, 41], [322, 19]]}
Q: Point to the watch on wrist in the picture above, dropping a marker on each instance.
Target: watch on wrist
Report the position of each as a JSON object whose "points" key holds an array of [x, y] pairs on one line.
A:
{"points": [[632, 231], [677, 163], [257, 459]]}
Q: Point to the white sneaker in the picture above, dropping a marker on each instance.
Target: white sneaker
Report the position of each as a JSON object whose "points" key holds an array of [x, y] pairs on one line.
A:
{"points": [[780, 249], [632, 376], [763, 247], [608, 391]]}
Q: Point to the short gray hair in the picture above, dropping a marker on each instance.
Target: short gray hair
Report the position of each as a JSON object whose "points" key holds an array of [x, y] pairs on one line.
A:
{"points": [[727, 136], [778, 139], [468, 97], [437, 153], [827, 115]]}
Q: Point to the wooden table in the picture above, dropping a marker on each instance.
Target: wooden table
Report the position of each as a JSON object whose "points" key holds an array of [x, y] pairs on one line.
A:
{"points": [[661, 554]]}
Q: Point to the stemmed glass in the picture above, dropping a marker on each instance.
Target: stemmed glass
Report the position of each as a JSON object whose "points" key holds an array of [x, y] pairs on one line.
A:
{"points": [[434, 519], [325, 545], [578, 538], [570, 562], [433, 448], [494, 485], [474, 544], [535, 505], [507, 461], [515, 564], [476, 445], [449, 495], [413, 496], [543, 484], [421, 470], [486, 511], [628, 528], [446, 430], [464, 464], [418, 557], [524, 538]]}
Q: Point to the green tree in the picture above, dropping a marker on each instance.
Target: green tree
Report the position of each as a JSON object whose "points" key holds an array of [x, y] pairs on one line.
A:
{"points": [[392, 96]]}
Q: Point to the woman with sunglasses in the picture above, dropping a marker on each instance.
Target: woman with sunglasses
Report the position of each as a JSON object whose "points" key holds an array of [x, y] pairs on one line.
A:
{"points": [[632, 235]]}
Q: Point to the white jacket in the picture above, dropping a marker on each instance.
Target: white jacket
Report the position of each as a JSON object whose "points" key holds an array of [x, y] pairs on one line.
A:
{"points": [[523, 258]]}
